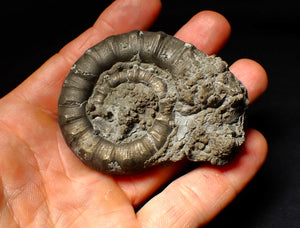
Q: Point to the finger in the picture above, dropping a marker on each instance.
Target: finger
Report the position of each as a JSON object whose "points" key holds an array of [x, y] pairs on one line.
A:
{"points": [[197, 197], [252, 75], [122, 16], [242, 169], [207, 30], [140, 186], [43, 86]]}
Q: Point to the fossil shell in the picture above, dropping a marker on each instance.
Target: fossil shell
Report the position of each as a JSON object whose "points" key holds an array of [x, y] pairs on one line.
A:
{"points": [[141, 99]]}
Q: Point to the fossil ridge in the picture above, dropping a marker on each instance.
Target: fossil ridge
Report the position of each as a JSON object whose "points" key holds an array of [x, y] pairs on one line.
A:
{"points": [[141, 99]]}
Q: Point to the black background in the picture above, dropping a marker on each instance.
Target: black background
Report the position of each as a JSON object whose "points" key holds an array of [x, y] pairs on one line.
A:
{"points": [[264, 30]]}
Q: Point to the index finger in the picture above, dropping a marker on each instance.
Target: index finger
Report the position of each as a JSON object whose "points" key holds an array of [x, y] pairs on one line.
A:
{"points": [[42, 88]]}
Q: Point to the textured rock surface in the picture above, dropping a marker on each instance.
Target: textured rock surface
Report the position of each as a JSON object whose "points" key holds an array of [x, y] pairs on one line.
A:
{"points": [[141, 99]]}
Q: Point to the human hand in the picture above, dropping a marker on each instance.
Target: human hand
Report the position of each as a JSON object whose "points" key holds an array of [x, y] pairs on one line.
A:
{"points": [[44, 185]]}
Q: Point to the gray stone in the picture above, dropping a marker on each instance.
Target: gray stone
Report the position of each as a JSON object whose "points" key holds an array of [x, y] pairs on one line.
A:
{"points": [[142, 99]]}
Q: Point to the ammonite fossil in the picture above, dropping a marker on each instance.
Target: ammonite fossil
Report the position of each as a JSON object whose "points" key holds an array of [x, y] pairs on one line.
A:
{"points": [[141, 99]]}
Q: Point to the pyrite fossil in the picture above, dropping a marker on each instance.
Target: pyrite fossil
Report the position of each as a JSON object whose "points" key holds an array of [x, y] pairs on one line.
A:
{"points": [[141, 99]]}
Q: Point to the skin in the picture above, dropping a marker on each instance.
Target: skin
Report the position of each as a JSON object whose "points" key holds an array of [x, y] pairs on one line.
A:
{"points": [[44, 185]]}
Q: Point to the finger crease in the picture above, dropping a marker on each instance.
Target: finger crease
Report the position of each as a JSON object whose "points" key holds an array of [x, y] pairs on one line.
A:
{"points": [[104, 23]]}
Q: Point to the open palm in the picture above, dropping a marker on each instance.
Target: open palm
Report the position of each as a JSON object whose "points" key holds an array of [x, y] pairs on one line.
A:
{"points": [[43, 184]]}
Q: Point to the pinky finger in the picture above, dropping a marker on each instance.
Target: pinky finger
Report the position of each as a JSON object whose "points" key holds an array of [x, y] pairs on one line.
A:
{"points": [[197, 197]]}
